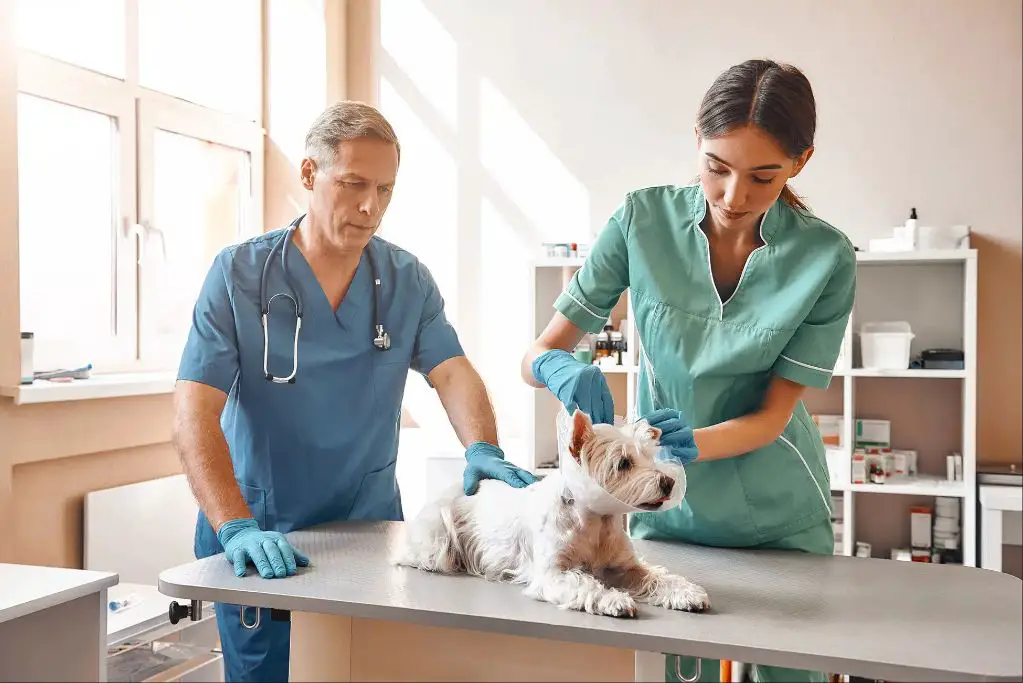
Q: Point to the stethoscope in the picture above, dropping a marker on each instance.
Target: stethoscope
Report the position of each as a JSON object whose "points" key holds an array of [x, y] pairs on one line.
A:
{"points": [[382, 340]]}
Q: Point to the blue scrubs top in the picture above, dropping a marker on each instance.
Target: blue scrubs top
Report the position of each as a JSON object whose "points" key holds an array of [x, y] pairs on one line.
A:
{"points": [[324, 448]]}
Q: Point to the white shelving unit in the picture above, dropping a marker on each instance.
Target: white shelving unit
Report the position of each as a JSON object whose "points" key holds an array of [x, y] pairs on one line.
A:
{"points": [[549, 277], [934, 291]]}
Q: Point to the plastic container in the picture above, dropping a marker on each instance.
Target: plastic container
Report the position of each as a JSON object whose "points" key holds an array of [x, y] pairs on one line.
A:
{"points": [[885, 345], [27, 363]]}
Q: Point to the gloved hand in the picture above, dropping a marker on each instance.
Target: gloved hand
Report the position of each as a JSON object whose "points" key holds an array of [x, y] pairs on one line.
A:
{"points": [[486, 461], [270, 551], [676, 436], [576, 384]]}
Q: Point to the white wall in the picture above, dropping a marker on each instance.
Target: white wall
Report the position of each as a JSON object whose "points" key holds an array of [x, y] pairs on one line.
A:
{"points": [[526, 121]]}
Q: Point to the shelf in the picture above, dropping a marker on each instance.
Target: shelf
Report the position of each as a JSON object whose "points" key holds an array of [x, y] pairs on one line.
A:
{"points": [[911, 257], [619, 369], [98, 386], [922, 485], [909, 373], [559, 261]]}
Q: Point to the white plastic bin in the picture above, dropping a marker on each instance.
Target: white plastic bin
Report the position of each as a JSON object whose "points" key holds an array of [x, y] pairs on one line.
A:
{"points": [[885, 345]]}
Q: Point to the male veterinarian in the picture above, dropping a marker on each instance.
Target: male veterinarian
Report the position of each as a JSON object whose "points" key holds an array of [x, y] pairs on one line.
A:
{"points": [[291, 381]]}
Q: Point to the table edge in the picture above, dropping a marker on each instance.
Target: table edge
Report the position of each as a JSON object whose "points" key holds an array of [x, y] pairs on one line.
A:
{"points": [[575, 634], [94, 585]]}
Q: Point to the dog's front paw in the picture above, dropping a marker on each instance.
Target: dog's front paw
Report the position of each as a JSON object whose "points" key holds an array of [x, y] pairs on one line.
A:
{"points": [[613, 603], [684, 595]]}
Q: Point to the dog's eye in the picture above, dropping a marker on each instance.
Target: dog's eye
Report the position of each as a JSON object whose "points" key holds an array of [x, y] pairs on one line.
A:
{"points": [[624, 464]]}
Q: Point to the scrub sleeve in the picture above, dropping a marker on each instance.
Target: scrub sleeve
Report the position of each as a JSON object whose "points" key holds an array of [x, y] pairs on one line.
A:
{"points": [[210, 355], [436, 338], [809, 357], [596, 287]]}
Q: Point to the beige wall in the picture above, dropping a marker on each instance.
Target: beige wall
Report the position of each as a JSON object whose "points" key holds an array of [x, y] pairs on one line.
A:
{"points": [[52, 454]]}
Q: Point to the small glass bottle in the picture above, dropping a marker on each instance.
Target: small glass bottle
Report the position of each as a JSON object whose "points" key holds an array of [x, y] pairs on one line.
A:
{"points": [[602, 348], [617, 346]]}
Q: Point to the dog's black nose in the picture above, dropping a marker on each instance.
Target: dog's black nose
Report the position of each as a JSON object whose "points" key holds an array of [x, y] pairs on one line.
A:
{"points": [[667, 484]]}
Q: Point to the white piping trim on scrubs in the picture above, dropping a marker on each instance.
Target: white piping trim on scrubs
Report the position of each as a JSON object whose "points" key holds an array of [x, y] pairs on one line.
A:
{"points": [[650, 377], [805, 365], [584, 306], [808, 471], [745, 266]]}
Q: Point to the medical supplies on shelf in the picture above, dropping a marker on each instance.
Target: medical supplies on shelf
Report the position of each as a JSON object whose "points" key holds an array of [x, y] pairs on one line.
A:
{"points": [[565, 249], [911, 236], [838, 522], [606, 348], [934, 533], [831, 428]]}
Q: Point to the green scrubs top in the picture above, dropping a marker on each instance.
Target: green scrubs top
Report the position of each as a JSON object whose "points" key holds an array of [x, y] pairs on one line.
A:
{"points": [[713, 359]]}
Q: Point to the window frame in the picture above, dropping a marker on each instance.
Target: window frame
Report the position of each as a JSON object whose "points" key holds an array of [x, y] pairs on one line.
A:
{"points": [[139, 112]]}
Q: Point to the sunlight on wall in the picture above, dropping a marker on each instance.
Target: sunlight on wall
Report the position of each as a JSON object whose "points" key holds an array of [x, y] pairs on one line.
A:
{"points": [[526, 169], [423, 215], [423, 219], [424, 50], [505, 312], [296, 76]]}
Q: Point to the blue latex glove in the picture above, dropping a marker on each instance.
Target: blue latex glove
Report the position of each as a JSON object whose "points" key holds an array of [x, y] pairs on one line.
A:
{"points": [[676, 436], [576, 384], [486, 461], [269, 551]]}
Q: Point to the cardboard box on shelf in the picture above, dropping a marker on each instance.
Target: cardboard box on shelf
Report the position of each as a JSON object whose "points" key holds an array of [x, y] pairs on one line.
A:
{"points": [[874, 433], [831, 428]]}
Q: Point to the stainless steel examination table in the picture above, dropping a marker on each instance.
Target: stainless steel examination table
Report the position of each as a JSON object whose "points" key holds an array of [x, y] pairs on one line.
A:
{"points": [[356, 617]]}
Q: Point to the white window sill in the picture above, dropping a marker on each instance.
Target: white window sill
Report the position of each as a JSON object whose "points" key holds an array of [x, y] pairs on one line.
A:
{"points": [[97, 386]]}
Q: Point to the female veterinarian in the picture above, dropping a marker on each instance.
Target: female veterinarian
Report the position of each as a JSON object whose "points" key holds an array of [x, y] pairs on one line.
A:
{"points": [[741, 300]]}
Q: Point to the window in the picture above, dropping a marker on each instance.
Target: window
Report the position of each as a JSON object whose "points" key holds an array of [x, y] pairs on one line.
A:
{"points": [[137, 162]]}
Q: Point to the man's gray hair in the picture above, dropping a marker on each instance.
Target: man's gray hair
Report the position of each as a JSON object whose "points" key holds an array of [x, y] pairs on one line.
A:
{"points": [[342, 121]]}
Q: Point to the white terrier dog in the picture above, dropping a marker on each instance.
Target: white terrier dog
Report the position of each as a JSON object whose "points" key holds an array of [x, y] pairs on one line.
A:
{"points": [[541, 537]]}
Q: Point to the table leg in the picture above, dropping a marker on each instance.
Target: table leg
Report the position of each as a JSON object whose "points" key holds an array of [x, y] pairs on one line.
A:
{"points": [[991, 539], [649, 667], [334, 648]]}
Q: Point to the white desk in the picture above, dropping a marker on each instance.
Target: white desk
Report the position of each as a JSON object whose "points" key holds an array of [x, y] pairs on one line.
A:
{"points": [[994, 502], [53, 623]]}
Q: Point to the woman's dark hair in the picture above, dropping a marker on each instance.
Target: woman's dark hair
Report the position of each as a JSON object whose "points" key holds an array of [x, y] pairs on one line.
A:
{"points": [[776, 98]]}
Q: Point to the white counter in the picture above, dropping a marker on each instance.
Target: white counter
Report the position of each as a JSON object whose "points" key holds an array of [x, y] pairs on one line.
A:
{"points": [[47, 610]]}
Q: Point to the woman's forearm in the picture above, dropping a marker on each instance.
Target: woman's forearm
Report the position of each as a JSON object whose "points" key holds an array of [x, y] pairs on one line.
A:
{"points": [[756, 430], [737, 437]]}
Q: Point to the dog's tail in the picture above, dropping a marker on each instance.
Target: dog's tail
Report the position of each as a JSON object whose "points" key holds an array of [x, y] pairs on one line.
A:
{"points": [[431, 541]]}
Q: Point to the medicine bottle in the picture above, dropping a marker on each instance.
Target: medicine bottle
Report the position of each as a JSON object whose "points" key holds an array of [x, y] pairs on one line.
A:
{"points": [[602, 348], [617, 346]]}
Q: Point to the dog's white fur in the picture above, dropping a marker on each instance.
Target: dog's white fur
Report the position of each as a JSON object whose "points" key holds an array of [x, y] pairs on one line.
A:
{"points": [[543, 539]]}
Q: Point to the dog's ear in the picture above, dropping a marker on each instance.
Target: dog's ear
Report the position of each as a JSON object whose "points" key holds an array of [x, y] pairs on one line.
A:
{"points": [[582, 431], [643, 427]]}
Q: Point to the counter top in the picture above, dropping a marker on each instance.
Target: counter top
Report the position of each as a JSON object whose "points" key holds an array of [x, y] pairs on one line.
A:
{"points": [[868, 617], [25, 589]]}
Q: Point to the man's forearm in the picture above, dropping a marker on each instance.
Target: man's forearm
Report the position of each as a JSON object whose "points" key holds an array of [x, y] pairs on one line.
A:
{"points": [[206, 461], [465, 399]]}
